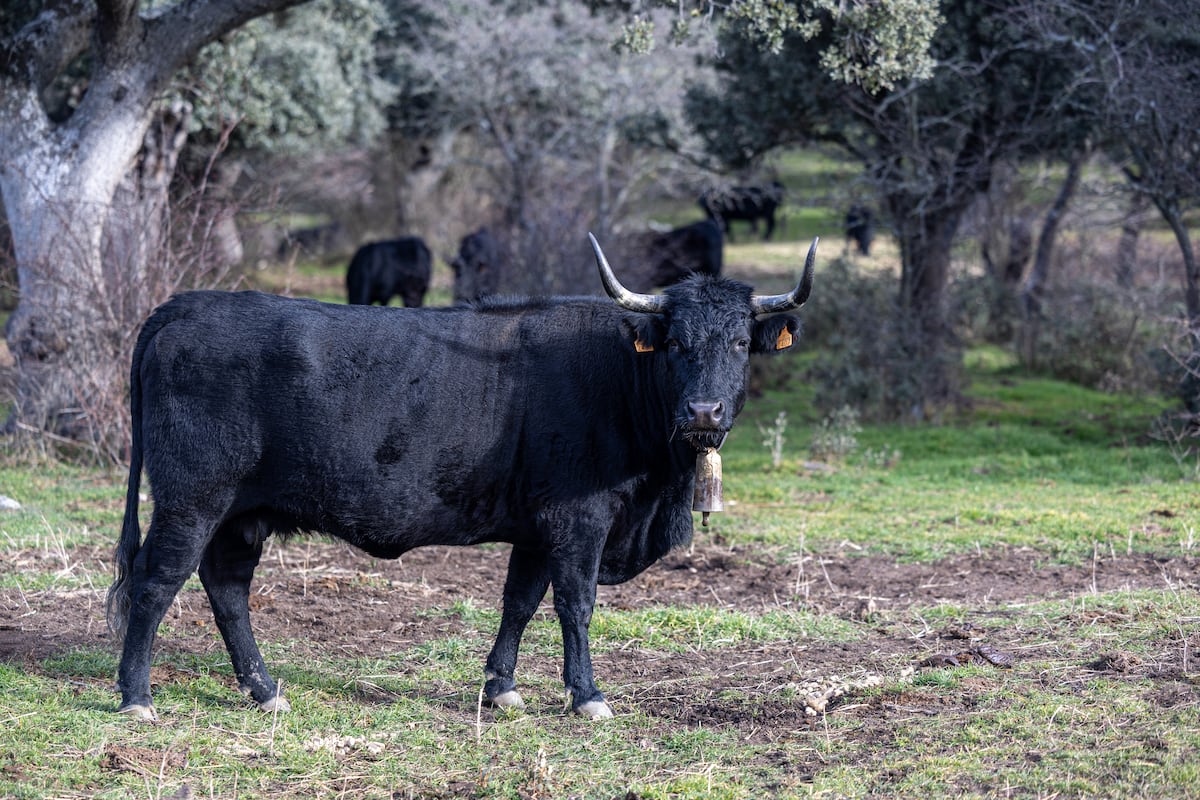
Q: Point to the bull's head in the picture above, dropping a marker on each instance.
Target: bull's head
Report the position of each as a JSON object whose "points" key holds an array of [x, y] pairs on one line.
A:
{"points": [[708, 327]]}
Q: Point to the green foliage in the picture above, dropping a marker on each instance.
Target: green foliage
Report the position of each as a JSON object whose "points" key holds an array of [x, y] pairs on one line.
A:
{"points": [[765, 22], [873, 44], [637, 36], [297, 81], [867, 42], [880, 44]]}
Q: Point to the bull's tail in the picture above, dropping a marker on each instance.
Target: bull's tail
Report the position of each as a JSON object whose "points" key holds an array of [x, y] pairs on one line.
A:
{"points": [[117, 604]]}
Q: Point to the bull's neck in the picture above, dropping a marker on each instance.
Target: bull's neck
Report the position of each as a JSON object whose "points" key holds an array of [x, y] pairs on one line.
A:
{"points": [[652, 409]]}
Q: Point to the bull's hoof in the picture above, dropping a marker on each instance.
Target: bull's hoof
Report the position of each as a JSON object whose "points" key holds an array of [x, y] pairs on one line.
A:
{"points": [[510, 699], [278, 703], [595, 709], [139, 712]]}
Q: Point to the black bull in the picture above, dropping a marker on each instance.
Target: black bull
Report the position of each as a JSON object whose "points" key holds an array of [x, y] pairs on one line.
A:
{"points": [[567, 427], [380, 271], [677, 253]]}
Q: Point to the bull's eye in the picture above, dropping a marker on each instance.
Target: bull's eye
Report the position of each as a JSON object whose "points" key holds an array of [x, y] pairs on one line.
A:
{"points": [[673, 345], [742, 345]]}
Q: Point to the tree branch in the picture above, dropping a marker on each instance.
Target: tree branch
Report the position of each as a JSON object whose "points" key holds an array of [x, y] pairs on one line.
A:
{"points": [[178, 32], [46, 45], [112, 17]]}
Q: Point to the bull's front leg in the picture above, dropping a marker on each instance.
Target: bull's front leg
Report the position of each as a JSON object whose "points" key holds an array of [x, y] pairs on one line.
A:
{"points": [[528, 578], [573, 572]]}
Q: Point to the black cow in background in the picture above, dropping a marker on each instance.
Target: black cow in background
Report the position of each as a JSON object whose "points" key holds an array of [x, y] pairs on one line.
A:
{"points": [[477, 267], [316, 242], [567, 427], [696, 249], [380, 271], [860, 228], [745, 203]]}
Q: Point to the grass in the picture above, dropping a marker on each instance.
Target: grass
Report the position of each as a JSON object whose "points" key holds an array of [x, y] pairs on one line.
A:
{"points": [[1048, 727], [1035, 463]]}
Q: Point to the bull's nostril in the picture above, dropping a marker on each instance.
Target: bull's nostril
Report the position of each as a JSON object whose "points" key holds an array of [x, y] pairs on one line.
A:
{"points": [[706, 415]]}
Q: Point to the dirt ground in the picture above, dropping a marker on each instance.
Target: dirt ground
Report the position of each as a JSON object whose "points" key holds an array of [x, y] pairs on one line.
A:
{"points": [[328, 599]]}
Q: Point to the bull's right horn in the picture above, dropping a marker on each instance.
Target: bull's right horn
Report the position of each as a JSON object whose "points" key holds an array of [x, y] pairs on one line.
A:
{"points": [[769, 304], [648, 303]]}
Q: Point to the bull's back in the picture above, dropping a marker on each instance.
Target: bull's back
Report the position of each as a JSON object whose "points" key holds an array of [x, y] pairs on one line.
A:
{"points": [[338, 419]]}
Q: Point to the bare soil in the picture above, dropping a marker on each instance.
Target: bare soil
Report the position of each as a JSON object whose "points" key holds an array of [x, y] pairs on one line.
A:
{"points": [[327, 599]]}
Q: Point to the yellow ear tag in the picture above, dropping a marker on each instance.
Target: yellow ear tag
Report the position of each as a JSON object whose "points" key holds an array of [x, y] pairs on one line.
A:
{"points": [[785, 339], [642, 347]]}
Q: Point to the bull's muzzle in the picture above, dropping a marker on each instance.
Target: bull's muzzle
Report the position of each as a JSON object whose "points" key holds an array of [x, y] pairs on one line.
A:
{"points": [[706, 415]]}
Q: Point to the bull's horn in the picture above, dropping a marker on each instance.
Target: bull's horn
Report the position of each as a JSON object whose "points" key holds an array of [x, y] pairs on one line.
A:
{"points": [[633, 301], [769, 304]]}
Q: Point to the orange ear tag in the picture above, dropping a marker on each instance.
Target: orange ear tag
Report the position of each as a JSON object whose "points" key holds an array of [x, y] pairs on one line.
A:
{"points": [[785, 339], [642, 347]]}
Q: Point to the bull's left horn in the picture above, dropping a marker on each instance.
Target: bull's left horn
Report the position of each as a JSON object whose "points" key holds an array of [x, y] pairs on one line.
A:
{"points": [[769, 304], [649, 303]]}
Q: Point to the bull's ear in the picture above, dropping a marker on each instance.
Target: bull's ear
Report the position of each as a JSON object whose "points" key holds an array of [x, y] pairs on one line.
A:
{"points": [[645, 331], [774, 334]]}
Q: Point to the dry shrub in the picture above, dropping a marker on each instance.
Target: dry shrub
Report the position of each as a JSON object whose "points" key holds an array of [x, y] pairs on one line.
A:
{"points": [[1085, 327], [195, 245], [1089, 335], [870, 353]]}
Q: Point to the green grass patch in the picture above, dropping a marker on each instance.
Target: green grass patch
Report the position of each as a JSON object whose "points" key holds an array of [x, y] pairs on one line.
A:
{"points": [[1034, 463], [705, 628]]}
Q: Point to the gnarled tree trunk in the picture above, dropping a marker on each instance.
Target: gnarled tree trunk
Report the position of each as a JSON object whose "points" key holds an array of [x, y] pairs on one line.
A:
{"points": [[84, 214]]}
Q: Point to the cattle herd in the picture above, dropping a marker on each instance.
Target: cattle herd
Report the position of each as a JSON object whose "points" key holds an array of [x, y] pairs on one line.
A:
{"points": [[402, 268], [566, 427]]}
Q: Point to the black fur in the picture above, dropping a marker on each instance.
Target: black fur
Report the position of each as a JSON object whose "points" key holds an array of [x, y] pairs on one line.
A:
{"points": [[477, 267], [380, 271]]}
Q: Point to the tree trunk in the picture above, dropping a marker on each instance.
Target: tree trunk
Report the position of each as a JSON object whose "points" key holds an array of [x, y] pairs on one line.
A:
{"points": [[1190, 385], [925, 247], [78, 237], [1033, 291], [86, 220], [1131, 229]]}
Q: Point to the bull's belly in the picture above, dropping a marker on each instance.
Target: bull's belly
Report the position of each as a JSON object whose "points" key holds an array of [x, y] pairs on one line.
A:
{"points": [[379, 530]]}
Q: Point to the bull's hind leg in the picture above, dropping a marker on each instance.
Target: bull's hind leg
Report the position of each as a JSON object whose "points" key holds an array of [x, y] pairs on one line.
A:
{"points": [[226, 571], [167, 558], [528, 579]]}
